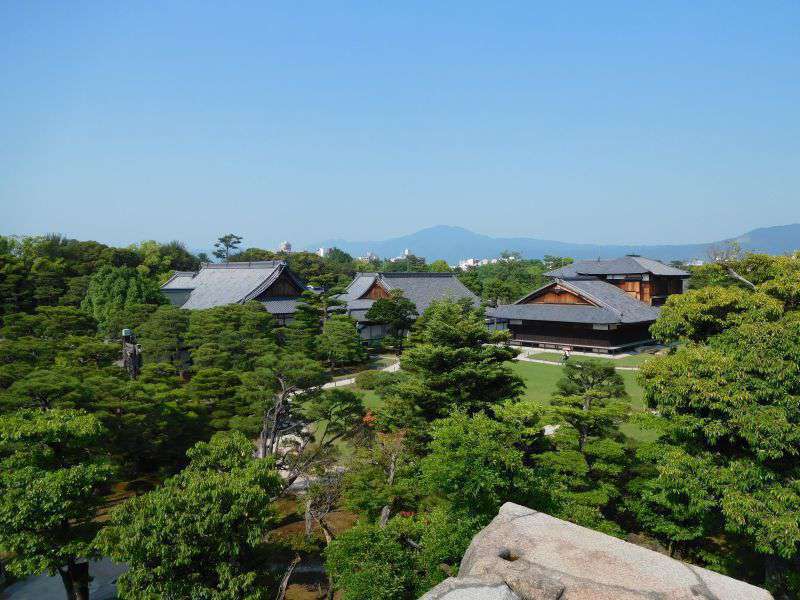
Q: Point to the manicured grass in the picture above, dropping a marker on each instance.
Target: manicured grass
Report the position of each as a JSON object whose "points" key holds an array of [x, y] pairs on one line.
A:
{"points": [[371, 399], [376, 362], [540, 383], [635, 360]]}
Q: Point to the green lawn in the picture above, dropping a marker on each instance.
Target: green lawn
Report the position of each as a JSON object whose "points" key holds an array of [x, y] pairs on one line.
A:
{"points": [[635, 360], [540, 383]]}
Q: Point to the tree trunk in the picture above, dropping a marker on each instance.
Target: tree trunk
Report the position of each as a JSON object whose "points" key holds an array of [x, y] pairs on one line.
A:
{"points": [[738, 277], [267, 438], [386, 510], [309, 519], [286, 576], [385, 514], [76, 580], [68, 586], [328, 537], [329, 593], [775, 571]]}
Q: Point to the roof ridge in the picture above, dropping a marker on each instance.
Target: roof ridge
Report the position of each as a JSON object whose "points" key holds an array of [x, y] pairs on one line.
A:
{"points": [[256, 264], [391, 274]]}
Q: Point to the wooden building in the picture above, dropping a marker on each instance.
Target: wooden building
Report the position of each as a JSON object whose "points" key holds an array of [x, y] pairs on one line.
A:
{"points": [[598, 306], [420, 288], [270, 282]]}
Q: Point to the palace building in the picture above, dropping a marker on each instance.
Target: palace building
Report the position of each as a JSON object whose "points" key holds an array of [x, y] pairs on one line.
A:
{"points": [[593, 305], [270, 282], [421, 288]]}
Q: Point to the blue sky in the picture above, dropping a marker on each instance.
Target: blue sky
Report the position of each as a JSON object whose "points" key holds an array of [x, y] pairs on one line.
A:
{"points": [[600, 121]]}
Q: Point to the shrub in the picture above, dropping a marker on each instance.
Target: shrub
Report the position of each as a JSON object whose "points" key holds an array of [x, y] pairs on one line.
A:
{"points": [[370, 380]]}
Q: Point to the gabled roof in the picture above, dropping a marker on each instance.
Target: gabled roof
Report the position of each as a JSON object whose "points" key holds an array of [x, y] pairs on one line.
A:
{"points": [[559, 313], [627, 265], [420, 288], [228, 283], [609, 304]]}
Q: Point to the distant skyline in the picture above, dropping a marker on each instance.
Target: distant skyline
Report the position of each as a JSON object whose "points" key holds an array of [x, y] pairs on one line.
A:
{"points": [[608, 123]]}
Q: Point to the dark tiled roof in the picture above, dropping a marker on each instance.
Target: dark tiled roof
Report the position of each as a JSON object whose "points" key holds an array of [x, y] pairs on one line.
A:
{"points": [[281, 306], [420, 288], [230, 283], [613, 298], [560, 313], [610, 305], [627, 265]]}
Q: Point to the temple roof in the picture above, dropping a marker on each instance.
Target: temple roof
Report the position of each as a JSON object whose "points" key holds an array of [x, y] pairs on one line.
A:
{"points": [[627, 265]]}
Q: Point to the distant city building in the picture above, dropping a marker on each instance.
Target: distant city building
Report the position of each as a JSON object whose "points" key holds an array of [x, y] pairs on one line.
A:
{"points": [[468, 263], [695, 263], [323, 252], [368, 257], [285, 247], [405, 255]]}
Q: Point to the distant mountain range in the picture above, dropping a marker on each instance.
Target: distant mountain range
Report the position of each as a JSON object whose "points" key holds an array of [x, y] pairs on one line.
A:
{"points": [[455, 243]]}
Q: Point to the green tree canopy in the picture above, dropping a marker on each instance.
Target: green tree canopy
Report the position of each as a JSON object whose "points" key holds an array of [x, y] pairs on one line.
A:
{"points": [[455, 362], [50, 482], [397, 312], [114, 288], [340, 342], [700, 314], [200, 534], [733, 422]]}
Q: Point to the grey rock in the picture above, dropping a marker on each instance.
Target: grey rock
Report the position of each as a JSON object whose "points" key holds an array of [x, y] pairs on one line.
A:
{"points": [[470, 588], [538, 557]]}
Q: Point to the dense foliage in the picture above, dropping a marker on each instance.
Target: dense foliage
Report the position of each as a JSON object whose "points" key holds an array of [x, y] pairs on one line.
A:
{"points": [[231, 409], [201, 533]]}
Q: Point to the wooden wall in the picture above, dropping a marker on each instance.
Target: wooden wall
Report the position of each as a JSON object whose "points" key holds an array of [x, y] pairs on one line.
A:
{"points": [[579, 335], [375, 292], [283, 287], [557, 295], [657, 287], [641, 290]]}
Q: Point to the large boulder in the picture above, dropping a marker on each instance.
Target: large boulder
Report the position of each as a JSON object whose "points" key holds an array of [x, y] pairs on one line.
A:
{"points": [[527, 555]]}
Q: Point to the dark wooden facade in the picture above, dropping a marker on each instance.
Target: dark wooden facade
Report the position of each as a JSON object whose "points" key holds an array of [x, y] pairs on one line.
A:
{"points": [[650, 289], [556, 295], [375, 292], [579, 336], [284, 287], [599, 337]]}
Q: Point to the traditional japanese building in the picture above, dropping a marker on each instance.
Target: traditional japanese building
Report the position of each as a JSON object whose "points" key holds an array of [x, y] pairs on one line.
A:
{"points": [[270, 282], [597, 306], [420, 288]]}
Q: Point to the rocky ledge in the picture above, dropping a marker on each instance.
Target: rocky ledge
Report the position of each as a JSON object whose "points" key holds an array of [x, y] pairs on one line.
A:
{"points": [[527, 555]]}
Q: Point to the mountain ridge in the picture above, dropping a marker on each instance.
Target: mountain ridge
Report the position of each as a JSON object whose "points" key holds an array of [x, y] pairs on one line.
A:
{"points": [[453, 243]]}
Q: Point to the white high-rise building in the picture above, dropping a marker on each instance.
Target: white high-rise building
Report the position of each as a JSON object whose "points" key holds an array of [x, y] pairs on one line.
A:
{"points": [[285, 247]]}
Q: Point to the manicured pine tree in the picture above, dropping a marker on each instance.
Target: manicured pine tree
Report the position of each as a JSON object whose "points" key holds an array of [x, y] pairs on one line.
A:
{"points": [[455, 362], [397, 312], [589, 451], [340, 342]]}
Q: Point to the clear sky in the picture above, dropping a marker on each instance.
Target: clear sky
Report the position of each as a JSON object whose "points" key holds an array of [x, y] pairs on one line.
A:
{"points": [[597, 121]]}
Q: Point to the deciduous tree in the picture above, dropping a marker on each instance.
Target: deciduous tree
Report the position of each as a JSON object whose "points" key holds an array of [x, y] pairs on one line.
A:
{"points": [[50, 483], [199, 535]]}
